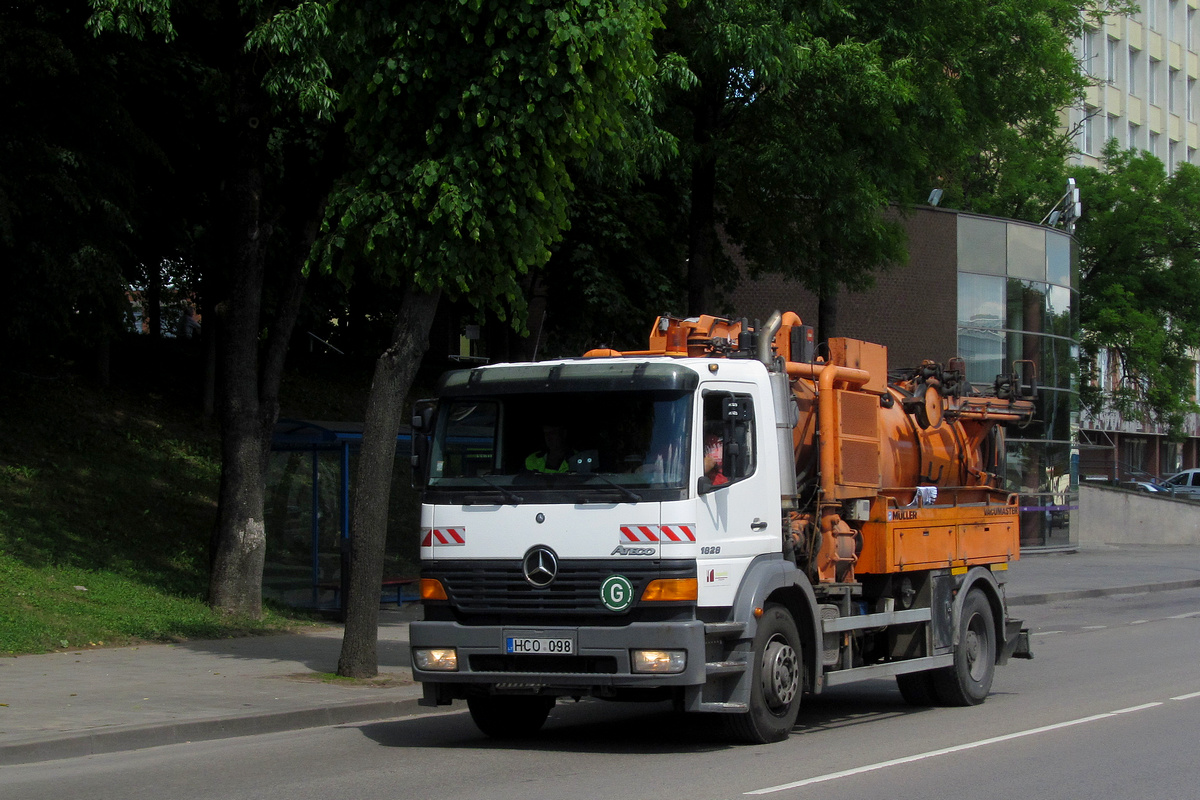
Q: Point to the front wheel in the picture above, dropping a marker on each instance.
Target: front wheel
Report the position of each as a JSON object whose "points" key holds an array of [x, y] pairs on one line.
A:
{"points": [[777, 681], [968, 682], [510, 717]]}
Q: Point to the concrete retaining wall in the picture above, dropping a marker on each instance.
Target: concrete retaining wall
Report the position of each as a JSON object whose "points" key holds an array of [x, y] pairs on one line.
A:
{"points": [[1119, 516]]}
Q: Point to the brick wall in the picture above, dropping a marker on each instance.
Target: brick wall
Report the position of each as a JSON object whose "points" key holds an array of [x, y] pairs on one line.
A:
{"points": [[912, 309]]}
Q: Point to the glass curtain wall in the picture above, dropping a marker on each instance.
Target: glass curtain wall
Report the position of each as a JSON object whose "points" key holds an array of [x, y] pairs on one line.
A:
{"points": [[1018, 287]]}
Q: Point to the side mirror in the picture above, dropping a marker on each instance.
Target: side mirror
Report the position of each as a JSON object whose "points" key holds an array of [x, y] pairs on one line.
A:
{"points": [[422, 428]]}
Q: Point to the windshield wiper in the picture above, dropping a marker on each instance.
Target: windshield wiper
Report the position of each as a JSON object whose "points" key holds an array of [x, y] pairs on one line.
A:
{"points": [[625, 491], [507, 494]]}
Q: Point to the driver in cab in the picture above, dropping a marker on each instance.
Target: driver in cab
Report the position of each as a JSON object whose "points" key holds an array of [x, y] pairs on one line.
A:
{"points": [[555, 458]]}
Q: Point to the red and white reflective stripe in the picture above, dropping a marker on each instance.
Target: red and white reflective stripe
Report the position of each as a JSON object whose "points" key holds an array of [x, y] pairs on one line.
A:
{"points": [[427, 538], [447, 536], [666, 534], [677, 533], [639, 533]]}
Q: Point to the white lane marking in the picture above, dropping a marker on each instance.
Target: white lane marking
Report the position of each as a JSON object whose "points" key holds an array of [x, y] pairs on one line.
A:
{"points": [[958, 748], [1139, 622], [1191, 696], [1186, 616], [1135, 708], [1046, 633], [1094, 627]]}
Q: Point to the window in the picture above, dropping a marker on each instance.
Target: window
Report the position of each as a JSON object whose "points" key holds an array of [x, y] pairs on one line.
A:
{"points": [[1110, 129], [1110, 61], [1134, 131], [1152, 14], [1099, 376], [1153, 146], [517, 444], [1172, 15], [1190, 32], [1173, 91], [981, 313], [729, 451], [1135, 455], [1087, 131], [1154, 69], [1191, 99], [1172, 155], [1134, 55], [1088, 53], [1191, 155]]}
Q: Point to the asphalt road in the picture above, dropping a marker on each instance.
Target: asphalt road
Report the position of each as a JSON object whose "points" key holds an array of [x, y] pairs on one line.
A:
{"points": [[1109, 708]]}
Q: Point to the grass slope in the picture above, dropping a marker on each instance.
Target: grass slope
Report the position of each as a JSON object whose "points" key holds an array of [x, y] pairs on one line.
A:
{"points": [[107, 503]]}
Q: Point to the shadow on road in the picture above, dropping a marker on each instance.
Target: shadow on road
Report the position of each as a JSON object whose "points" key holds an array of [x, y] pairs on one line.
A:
{"points": [[596, 726]]}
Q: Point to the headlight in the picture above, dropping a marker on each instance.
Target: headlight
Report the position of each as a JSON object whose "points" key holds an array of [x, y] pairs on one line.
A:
{"points": [[436, 659], [660, 661]]}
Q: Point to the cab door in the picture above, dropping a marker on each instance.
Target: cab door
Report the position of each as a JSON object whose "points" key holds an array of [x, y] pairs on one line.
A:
{"points": [[737, 489]]}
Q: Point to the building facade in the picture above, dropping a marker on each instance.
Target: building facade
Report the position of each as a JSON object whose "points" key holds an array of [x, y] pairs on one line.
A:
{"points": [[992, 291], [1146, 66]]}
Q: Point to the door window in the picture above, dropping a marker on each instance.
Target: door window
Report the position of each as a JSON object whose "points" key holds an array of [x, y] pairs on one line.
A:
{"points": [[728, 431]]}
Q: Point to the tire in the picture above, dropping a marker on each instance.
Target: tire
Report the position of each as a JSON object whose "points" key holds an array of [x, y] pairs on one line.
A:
{"points": [[917, 688], [968, 682], [510, 717], [777, 681]]}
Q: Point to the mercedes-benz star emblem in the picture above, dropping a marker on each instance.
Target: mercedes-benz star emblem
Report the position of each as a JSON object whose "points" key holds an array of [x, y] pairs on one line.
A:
{"points": [[540, 567]]}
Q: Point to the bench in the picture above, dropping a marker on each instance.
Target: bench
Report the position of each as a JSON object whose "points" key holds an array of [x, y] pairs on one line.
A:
{"points": [[386, 585]]}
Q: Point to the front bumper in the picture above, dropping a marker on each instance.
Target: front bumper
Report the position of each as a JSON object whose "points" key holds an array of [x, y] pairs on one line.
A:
{"points": [[600, 665]]}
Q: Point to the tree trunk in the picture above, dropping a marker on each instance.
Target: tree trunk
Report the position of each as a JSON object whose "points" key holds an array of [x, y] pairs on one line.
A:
{"points": [[700, 239], [394, 372], [248, 400], [827, 311], [702, 219]]}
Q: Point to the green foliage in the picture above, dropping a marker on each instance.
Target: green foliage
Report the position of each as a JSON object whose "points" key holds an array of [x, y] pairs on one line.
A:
{"points": [[616, 269], [464, 120], [130, 17], [1140, 276], [71, 156], [815, 120]]}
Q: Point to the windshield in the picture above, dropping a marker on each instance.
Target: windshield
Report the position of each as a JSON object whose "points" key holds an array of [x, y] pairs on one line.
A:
{"points": [[598, 446]]}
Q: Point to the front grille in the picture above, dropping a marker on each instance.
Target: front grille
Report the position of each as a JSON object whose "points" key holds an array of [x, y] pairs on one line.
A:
{"points": [[499, 587], [561, 665]]}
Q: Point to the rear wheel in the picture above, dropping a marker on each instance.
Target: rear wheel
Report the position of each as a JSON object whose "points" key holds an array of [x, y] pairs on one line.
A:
{"points": [[968, 682], [510, 717], [777, 681]]}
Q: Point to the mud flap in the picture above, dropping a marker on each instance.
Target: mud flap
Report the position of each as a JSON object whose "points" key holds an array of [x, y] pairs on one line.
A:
{"points": [[1016, 642]]}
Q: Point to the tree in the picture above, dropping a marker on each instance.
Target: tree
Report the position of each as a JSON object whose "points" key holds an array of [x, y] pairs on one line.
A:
{"points": [[465, 119], [275, 176], [1139, 258], [801, 128], [72, 161]]}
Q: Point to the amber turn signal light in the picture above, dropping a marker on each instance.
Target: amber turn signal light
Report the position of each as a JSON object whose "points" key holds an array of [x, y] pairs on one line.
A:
{"points": [[432, 589], [670, 589]]}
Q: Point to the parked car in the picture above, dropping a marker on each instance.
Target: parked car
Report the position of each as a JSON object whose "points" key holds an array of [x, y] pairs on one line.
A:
{"points": [[1143, 486], [1185, 484]]}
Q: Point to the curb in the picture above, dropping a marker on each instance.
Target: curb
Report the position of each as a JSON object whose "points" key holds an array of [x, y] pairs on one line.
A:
{"points": [[1076, 594], [89, 743]]}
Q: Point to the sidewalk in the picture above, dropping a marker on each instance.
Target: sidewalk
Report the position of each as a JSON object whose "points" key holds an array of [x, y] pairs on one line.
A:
{"points": [[86, 702]]}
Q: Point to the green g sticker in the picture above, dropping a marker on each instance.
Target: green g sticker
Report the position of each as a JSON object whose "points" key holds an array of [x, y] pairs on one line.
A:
{"points": [[616, 593]]}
